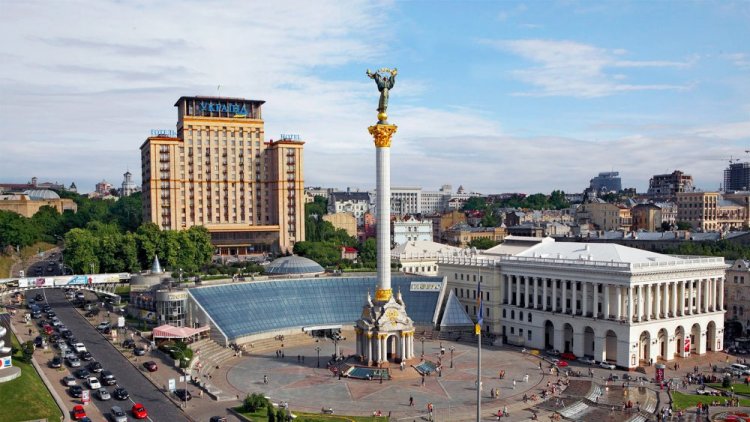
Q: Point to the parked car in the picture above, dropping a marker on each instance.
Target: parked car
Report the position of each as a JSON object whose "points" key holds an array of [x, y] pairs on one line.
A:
{"points": [[128, 343], [79, 347], [139, 411], [86, 356], [75, 391], [118, 415], [103, 394], [82, 373], [587, 360], [568, 356], [120, 393], [561, 363], [39, 342], [552, 352], [217, 419], [69, 380], [66, 334], [74, 362], [607, 365], [77, 413], [103, 325], [151, 366], [94, 366], [139, 351], [56, 362], [94, 383], [107, 378], [183, 394]]}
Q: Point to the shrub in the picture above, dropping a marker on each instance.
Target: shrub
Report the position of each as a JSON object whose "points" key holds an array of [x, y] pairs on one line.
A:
{"points": [[255, 401], [726, 382]]}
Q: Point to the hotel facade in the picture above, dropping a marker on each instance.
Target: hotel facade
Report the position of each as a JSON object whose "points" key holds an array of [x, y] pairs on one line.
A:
{"points": [[218, 171]]}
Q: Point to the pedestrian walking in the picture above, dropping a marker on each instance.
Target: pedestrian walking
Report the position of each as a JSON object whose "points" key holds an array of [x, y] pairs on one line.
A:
{"points": [[422, 380], [265, 379], [411, 401]]}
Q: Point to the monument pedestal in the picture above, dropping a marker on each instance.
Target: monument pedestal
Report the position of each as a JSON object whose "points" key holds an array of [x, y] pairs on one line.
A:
{"points": [[385, 332]]}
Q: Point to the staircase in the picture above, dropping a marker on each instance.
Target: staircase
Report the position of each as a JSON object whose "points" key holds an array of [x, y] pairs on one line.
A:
{"points": [[209, 356]]}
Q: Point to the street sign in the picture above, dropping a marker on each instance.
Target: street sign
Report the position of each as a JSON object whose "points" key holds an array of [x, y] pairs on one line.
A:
{"points": [[182, 378], [172, 384], [85, 396]]}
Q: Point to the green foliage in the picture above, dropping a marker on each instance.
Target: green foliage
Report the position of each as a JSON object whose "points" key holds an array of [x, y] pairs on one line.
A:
{"points": [[16, 230], [684, 225], [280, 415], [368, 252], [476, 203], [28, 351], [318, 207], [127, 212], [726, 382], [254, 402], [482, 243], [324, 253], [723, 248], [271, 415]]}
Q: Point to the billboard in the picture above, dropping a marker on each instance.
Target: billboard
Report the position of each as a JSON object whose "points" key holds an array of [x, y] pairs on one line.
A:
{"points": [[68, 280], [425, 286]]}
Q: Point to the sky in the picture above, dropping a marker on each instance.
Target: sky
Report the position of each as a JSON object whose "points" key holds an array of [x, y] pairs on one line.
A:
{"points": [[494, 96]]}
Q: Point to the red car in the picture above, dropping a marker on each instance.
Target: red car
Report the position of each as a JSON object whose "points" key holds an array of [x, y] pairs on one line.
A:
{"points": [[561, 363], [151, 366], [48, 329], [77, 413], [139, 412], [568, 356]]}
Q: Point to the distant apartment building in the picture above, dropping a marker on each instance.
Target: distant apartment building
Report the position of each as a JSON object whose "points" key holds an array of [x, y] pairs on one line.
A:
{"points": [[737, 298], [436, 201], [737, 177], [463, 234], [668, 212], [406, 200], [343, 220], [699, 209], [603, 215], [666, 186], [646, 217], [103, 188], [312, 192], [608, 181], [357, 203], [410, 229], [219, 172]]}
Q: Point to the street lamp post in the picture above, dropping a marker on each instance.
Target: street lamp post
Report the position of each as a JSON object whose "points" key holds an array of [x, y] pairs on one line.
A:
{"points": [[92, 267], [317, 349], [422, 340], [452, 349]]}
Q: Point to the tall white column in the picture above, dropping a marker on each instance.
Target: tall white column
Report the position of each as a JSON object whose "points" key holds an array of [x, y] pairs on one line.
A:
{"points": [[554, 294], [657, 301], [674, 299], [544, 293], [665, 300], [618, 307], [648, 303], [699, 297], [641, 311], [536, 292], [518, 290], [690, 298], [584, 299], [527, 292], [606, 301], [573, 297], [563, 305], [631, 308], [369, 347], [383, 170], [595, 302], [681, 297], [721, 294]]}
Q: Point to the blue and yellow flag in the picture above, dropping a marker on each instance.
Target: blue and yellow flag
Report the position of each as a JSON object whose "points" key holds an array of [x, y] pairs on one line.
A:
{"points": [[480, 319]]}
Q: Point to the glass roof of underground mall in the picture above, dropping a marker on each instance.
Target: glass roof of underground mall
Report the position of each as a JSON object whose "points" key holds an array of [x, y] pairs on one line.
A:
{"points": [[241, 309]]}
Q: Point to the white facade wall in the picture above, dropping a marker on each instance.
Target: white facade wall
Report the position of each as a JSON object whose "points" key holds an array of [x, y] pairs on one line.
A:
{"points": [[406, 200], [627, 313], [411, 230], [358, 208]]}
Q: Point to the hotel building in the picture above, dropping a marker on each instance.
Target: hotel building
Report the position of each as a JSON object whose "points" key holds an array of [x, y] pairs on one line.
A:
{"points": [[218, 171]]}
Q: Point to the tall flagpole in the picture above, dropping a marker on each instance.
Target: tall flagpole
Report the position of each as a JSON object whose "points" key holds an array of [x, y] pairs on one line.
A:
{"points": [[478, 331]]}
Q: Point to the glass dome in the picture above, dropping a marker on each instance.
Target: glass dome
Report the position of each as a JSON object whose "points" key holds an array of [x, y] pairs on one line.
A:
{"points": [[293, 265]]}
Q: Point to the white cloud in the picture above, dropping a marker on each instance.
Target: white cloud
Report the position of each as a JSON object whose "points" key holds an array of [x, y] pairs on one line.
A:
{"points": [[568, 68]]}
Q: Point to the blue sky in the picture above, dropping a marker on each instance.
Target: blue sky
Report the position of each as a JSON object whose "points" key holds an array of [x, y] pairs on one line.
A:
{"points": [[494, 96]]}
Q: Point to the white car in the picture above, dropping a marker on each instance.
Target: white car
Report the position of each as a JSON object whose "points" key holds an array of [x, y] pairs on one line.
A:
{"points": [[607, 365], [94, 383], [79, 347], [74, 362], [587, 360], [69, 380], [103, 394]]}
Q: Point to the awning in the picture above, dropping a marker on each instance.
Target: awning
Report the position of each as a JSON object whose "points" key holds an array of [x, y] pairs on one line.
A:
{"points": [[169, 331]]}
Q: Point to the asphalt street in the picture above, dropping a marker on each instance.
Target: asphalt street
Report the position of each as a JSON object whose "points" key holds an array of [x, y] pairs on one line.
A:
{"points": [[141, 390]]}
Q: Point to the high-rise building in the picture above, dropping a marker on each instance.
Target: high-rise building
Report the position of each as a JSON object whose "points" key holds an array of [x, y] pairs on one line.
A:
{"points": [[219, 172], [608, 181], [737, 177], [666, 186]]}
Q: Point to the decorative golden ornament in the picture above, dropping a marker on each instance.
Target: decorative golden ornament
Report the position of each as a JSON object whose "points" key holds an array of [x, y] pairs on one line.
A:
{"points": [[383, 295], [391, 314], [382, 134], [383, 117]]}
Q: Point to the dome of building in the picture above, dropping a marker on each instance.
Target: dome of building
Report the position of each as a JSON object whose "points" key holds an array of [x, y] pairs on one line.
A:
{"points": [[293, 265], [38, 194]]}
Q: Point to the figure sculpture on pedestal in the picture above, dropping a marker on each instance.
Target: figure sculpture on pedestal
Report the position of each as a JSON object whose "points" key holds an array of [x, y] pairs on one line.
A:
{"points": [[385, 79]]}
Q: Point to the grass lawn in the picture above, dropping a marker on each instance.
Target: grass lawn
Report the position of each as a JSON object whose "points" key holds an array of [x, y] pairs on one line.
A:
{"points": [[739, 388], [26, 397], [313, 417], [683, 401]]}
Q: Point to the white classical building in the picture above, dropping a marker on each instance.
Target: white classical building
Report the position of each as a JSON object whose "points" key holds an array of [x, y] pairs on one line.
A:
{"points": [[606, 301], [357, 203], [420, 257], [410, 229]]}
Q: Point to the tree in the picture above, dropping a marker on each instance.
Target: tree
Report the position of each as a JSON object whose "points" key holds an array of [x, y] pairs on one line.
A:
{"points": [[475, 203], [127, 212], [16, 230], [482, 243], [368, 252], [684, 225], [49, 222], [147, 237], [81, 250], [318, 207]]}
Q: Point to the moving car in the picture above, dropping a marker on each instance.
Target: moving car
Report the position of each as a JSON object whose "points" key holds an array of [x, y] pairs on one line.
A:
{"points": [[183, 394], [82, 373], [77, 413], [139, 412], [120, 394], [95, 366], [94, 383], [103, 394], [107, 378], [151, 366], [74, 362], [75, 391], [86, 356], [118, 415], [607, 365], [79, 347], [69, 380]]}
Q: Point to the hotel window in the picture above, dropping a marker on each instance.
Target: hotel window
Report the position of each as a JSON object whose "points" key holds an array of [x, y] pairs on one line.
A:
{"points": [[528, 333]]}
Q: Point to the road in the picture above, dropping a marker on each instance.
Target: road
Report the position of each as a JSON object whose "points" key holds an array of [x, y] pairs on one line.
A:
{"points": [[141, 390]]}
